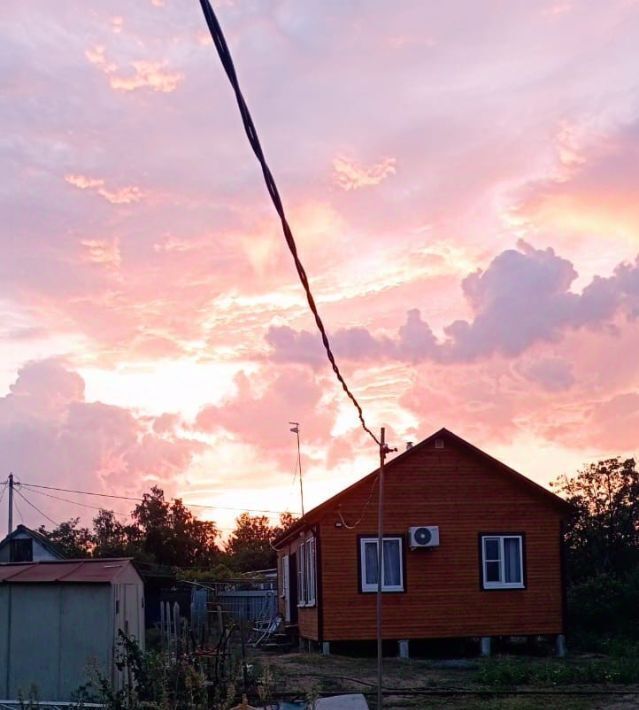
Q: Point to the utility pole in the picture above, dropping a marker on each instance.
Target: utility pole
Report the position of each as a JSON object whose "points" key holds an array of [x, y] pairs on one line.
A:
{"points": [[383, 450], [296, 430], [10, 503]]}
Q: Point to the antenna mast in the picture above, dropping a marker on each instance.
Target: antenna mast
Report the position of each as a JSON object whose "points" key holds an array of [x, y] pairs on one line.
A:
{"points": [[10, 503], [296, 430]]}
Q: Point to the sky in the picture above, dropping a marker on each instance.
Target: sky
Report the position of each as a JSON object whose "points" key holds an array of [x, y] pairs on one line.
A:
{"points": [[462, 180]]}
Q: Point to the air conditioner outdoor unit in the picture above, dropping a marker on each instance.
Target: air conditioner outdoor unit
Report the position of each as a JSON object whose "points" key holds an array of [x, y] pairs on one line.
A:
{"points": [[423, 536]]}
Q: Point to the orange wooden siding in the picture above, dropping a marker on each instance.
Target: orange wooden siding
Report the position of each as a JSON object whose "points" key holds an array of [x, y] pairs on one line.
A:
{"points": [[464, 496], [307, 617]]}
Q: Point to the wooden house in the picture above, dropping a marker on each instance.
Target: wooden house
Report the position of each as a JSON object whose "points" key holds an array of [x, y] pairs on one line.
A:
{"points": [[26, 545], [471, 549]]}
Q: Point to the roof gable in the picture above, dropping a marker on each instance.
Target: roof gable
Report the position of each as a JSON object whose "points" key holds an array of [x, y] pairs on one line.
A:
{"points": [[51, 547], [543, 494]]}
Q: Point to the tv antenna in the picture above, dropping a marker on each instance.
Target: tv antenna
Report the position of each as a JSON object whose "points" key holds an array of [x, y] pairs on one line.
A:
{"points": [[295, 428]]}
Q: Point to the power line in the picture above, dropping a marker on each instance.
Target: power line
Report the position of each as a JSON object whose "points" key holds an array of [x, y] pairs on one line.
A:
{"points": [[139, 500], [251, 133], [28, 502], [75, 502], [85, 505], [3, 491]]}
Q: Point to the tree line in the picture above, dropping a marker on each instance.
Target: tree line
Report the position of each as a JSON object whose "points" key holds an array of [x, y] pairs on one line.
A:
{"points": [[601, 539], [167, 533]]}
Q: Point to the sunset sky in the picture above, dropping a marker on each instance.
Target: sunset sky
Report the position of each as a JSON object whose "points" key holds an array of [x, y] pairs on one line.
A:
{"points": [[462, 179]]}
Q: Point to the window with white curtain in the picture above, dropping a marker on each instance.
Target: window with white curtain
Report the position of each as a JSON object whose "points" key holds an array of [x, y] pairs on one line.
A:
{"points": [[392, 564], [502, 561]]}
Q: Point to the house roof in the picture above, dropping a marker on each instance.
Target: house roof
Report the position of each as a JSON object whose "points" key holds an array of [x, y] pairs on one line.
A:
{"points": [[547, 496], [99, 571], [42, 540]]}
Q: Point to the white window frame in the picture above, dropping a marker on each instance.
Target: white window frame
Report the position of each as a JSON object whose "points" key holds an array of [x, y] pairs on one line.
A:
{"points": [[286, 587], [301, 574], [501, 584], [310, 569], [307, 572], [367, 587]]}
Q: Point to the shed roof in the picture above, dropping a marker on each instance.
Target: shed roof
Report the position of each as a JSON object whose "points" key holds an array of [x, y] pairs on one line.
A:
{"points": [[101, 571], [544, 494]]}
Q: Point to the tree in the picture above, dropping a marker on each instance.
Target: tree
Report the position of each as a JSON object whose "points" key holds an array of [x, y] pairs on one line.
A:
{"points": [[602, 534], [73, 541], [113, 539], [249, 545], [169, 534]]}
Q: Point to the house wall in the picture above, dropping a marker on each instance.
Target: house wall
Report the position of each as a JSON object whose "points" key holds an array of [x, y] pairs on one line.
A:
{"points": [[463, 496], [307, 617], [50, 634]]}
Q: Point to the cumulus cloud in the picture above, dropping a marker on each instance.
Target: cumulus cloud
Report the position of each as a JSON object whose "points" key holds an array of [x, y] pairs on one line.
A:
{"points": [[524, 297], [553, 374], [259, 411], [50, 432]]}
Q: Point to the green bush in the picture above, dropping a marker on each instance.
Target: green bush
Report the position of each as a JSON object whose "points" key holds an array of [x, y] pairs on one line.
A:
{"points": [[604, 607]]}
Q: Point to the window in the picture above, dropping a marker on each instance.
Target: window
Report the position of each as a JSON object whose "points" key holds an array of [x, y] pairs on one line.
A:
{"points": [[502, 561], [310, 571], [283, 575], [392, 564], [21, 550], [306, 572], [285, 590], [301, 575]]}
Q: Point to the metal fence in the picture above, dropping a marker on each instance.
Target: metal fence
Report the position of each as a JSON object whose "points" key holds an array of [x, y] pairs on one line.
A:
{"points": [[254, 605]]}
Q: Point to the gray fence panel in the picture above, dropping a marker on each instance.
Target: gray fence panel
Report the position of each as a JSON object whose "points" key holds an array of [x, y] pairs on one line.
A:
{"points": [[250, 605]]}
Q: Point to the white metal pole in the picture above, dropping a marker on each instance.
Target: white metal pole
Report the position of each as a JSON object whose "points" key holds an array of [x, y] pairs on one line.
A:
{"points": [[380, 562], [296, 431], [10, 503]]}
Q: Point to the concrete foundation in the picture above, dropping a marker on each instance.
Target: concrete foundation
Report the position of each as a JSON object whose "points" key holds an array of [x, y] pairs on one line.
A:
{"points": [[403, 648], [485, 645], [326, 648], [560, 645]]}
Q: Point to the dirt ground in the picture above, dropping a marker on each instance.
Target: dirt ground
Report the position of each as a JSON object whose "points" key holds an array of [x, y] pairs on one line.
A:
{"points": [[308, 675]]}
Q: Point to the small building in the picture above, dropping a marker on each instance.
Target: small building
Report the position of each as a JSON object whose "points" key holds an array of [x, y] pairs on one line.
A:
{"points": [[26, 545], [471, 549], [58, 619]]}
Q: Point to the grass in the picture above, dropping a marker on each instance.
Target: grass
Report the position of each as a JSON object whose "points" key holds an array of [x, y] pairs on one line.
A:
{"points": [[309, 674], [506, 672]]}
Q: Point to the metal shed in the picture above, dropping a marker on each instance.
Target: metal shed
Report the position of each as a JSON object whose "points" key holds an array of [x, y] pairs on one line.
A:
{"points": [[59, 618]]}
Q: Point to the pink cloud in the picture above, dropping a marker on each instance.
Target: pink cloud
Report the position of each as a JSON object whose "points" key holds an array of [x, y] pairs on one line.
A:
{"points": [[350, 175], [435, 318], [152, 75], [524, 297], [116, 196], [259, 412], [50, 433]]}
